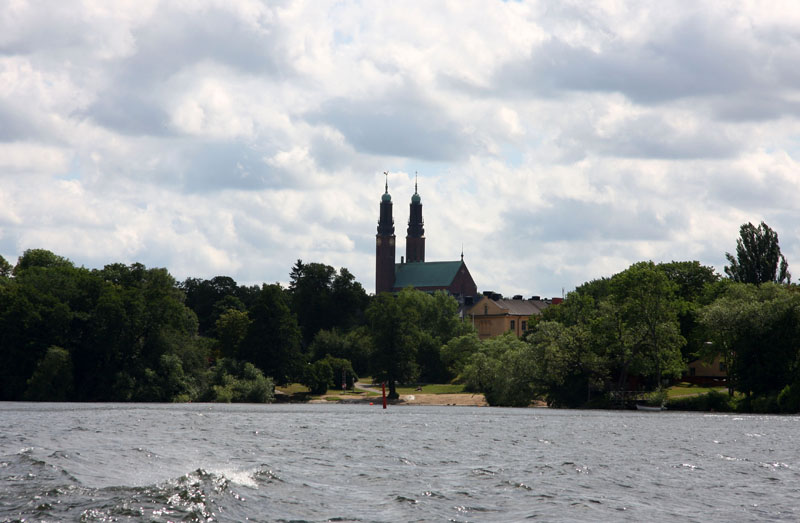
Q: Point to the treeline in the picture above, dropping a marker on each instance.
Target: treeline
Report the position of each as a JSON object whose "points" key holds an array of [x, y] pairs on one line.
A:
{"points": [[132, 333], [637, 330], [129, 333]]}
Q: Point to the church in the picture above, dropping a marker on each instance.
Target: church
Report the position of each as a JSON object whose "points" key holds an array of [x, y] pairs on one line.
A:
{"points": [[450, 276]]}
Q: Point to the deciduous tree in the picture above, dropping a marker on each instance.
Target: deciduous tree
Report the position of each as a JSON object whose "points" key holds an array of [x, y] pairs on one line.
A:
{"points": [[395, 333], [273, 338]]}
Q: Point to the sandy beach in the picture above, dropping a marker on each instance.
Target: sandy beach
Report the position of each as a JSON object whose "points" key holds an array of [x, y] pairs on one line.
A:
{"points": [[473, 400]]}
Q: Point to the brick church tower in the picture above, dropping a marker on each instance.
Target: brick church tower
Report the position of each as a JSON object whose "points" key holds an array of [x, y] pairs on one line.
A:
{"points": [[415, 236], [384, 246]]}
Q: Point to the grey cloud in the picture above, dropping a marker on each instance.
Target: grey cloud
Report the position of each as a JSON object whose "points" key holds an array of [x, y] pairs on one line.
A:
{"points": [[651, 137], [694, 58], [329, 154], [755, 107], [51, 30], [129, 113], [397, 124], [769, 192], [213, 166], [646, 136], [573, 220], [252, 229], [171, 42], [16, 125]]}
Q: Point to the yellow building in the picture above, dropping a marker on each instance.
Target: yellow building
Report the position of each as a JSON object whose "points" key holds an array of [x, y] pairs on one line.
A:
{"points": [[704, 373], [493, 315]]}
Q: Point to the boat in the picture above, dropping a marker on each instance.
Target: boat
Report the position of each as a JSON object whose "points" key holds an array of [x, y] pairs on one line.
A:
{"points": [[650, 408]]}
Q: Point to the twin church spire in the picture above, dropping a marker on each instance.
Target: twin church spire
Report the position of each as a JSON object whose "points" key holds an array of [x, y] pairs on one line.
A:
{"points": [[415, 234], [385, 239]]}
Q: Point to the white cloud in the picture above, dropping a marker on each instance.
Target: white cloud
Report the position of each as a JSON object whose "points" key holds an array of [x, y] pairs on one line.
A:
{"points": [[557, 141]]}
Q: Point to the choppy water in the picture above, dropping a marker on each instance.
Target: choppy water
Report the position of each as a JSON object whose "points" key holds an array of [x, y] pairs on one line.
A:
{"points": [[361, 463]]}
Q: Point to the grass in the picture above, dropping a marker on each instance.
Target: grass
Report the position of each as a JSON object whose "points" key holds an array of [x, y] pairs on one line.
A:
{"points": [[357, 392], [433, 388], [684, 389], [293, 388]]}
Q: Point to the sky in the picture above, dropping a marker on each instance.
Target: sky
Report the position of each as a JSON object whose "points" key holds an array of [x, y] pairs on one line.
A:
{"points": [[555, 142]]}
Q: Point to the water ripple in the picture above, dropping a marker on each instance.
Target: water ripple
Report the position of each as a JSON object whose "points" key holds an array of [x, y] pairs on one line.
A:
{"points": [[353, 463]]}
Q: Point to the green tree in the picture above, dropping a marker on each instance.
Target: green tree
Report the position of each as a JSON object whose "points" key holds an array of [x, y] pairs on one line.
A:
{"points": [[52, 379], [693, 282], [457, 352], [395, 332], [505, 370], [210, 298], [231, 329], [355, 347], [5, 268], [569, 363], [142, 341], [690, 278], [646, 301], [437, 323], [342, 370], [758, 257], [273, 338], [317, 376], [756, 331], [723, 321], [324, 299], [233, 381], [45, 304], [40, 258]]}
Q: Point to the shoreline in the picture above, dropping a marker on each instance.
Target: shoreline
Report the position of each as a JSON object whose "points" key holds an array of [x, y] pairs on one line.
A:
{"points": [[439, 400], [461, 399]]}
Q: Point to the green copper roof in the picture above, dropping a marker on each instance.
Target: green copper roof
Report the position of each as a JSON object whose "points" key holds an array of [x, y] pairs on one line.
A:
{"points": [[425, 274], [415, 198], [386, 197]]}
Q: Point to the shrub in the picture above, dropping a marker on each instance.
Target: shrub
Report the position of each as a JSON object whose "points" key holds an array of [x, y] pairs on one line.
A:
{"points": [[340, 366], [789, 398], [764, 404], [318, 376], [52, 379], [711, 401], [236, 382], [221, 394]]}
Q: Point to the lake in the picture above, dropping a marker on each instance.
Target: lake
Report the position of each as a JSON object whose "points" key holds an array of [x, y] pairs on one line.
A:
{"points": [[154, 462]]}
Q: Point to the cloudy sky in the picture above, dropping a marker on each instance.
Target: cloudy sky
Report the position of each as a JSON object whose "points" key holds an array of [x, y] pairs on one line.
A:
{"points": [[556, 141]]}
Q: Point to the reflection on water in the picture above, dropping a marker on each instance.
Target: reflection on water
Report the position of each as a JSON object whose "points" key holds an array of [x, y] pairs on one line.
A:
{"points": [[362, 463]]}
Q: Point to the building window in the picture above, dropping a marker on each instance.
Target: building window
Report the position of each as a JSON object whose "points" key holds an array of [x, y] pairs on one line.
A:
{"points": [[524, 325], [691, 371], [512, 325], [485, 310], [722, 367]]}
